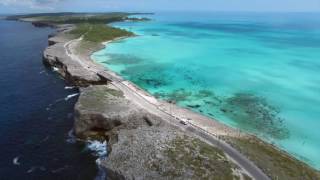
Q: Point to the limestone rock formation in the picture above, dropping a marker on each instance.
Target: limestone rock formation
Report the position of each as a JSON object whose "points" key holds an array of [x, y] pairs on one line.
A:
{"points": [[55, 56], [142, 145]]}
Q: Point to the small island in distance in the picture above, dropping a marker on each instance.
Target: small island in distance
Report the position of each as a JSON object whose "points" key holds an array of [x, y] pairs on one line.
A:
{"points": [[148, 138]]}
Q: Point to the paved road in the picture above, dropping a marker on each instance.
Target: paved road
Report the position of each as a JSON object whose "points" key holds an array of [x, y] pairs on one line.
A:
{"points": [[239, 158], [246, 164]]}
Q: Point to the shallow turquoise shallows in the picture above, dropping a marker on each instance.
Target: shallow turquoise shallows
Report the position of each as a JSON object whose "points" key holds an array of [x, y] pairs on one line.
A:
{"points": [[256, 72]]}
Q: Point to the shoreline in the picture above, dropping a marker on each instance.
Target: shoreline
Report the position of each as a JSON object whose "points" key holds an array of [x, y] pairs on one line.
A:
{"points": [[207, 124], [203, 128], [41, 114], [95, 74]]}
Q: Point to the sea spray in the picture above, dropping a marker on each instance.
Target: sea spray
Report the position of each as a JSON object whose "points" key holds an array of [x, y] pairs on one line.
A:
{"points": [[15, 161], [34, 168], [55, 102], [71, 96], [71, 137], [100, 150], [69, 87], [65, 167]]}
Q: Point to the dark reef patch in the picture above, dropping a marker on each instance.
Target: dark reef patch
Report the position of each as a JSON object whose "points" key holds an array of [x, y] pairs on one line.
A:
{"points": [[303, 64], [250, 112], [122, 59], [204, 93], [190, 75], [233, 28], [244, 51], [195, 106], [254, 113], [152, 82], [177, 95], [290, 41], [148, 75]]}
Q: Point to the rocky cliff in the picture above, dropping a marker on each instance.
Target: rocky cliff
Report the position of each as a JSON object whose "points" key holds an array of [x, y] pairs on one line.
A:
{"points": [[142, 145], [55, 56]]}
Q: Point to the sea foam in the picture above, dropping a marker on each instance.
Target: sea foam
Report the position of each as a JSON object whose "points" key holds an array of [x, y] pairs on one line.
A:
{"points": [[69, 87], [71, 96], [99, 148], [55, 69]]}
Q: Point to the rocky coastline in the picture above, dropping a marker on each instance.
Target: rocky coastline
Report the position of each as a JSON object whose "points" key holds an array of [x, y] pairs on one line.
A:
{"points": [[142, 144], [138, 141]]}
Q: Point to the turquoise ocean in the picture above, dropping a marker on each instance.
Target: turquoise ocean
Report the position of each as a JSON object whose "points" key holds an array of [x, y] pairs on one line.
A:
{"points": [[258, 72]]}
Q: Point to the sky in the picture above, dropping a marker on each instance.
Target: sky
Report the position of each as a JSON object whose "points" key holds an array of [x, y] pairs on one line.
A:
{"points": [[30, 6]]}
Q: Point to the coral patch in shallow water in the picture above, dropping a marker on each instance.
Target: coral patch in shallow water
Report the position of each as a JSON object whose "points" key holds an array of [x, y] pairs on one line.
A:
{"points": [[122, 59], [254, 113]]}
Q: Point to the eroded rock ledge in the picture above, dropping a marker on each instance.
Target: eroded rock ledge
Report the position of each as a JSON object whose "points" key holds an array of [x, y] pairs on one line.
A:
{"points": [[55, 56], [142, 145]]}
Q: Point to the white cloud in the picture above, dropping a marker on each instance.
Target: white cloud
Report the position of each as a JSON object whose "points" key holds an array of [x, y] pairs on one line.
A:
{"points": [[31, 3]]}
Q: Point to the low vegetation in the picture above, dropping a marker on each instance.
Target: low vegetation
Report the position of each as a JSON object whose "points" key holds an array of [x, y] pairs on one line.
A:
{"points": [[276, 164], [92, 26], [99, 32], [94, 98], [193, 158]]}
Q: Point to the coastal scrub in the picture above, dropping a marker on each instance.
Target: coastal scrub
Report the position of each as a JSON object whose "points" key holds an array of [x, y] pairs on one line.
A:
{"points": [[99, 33], [275, 163]]}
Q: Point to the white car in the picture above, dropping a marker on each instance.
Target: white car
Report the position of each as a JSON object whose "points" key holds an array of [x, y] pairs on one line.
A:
{"points": [[184, 122]]}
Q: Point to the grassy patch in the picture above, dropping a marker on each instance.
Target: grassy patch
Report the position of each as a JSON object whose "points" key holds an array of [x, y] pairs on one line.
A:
{"points": [[91, 25], [119, 59], [197, 159], [276, 164], [255, 114], [96, 98], [86, 48], [98, 33]]}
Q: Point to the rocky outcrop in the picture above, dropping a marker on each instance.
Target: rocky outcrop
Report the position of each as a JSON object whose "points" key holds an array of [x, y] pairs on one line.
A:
{"points": [[73, 72], [142, 145], [102, 109]]}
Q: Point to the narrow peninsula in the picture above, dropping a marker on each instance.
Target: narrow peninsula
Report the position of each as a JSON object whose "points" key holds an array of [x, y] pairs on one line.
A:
{"points": [[148, 138]]}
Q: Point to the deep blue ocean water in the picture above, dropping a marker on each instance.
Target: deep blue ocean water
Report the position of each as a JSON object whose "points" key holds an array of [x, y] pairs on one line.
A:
{"points": [[258, 72], [34, 117]]}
